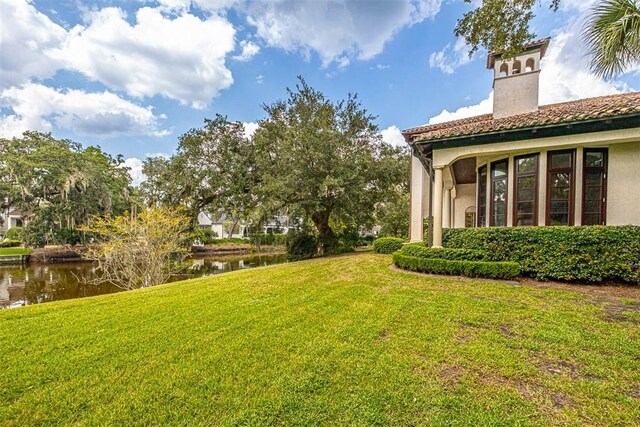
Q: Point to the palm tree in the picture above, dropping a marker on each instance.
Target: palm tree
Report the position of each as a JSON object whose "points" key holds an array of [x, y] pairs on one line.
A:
{"points": [[612, 34]]}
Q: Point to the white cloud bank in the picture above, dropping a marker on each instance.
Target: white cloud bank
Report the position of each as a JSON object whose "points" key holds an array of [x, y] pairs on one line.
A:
{"points": [[250, 128], [338, 30], [38, 107], [393, 136], [135, 170], [25, 34], [181, 58]]}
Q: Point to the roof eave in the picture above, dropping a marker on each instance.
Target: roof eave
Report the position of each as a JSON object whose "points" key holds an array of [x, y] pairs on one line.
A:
{"points": [[557, 129]]}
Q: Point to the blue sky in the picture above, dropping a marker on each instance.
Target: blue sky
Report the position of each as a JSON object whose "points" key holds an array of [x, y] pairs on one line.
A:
{"points": [[132, 76]]}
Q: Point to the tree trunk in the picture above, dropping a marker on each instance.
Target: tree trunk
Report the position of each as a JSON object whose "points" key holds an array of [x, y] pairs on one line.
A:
{"points": [[326, 236], [233, 227]]}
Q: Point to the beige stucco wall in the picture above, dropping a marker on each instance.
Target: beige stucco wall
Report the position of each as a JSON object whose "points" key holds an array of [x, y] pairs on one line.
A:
{"points": [[623, 184], [420, 199], [465, 197], [516, 94]]}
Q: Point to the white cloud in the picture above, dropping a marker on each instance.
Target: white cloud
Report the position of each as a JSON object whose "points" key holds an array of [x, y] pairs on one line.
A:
{"points": [[338, 30], [37, 107], [393, 136], [483, 107], [249, 50], [135, 170], [260, 79], [25, 34], [178, 6], [181, 58], [450, 58], [565, 76], [250, 128]]}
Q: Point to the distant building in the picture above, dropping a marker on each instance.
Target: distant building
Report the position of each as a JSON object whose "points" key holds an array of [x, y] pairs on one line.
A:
{"points": [[220, 224], [10, 218]]}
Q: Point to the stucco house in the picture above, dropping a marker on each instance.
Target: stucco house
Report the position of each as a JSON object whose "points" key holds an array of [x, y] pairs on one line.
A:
{"points": [[10, 219], [573, 163]]}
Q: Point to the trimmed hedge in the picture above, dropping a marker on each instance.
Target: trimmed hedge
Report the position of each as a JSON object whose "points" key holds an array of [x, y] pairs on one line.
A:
{"points": [[588, 254], [421, 251], [492, 270], [10, 243], [387, 245]]}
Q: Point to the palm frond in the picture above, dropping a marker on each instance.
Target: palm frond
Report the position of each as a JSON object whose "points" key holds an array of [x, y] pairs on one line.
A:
{"points": [[612, 34]]}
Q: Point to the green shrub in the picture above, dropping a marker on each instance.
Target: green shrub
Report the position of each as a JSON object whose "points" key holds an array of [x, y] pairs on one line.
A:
{"points": [[66, 237], [14, 233], [387, 245], [9, 243], [204, 235], [421, 251], [302, 246], [588, 254], [492, 270]]}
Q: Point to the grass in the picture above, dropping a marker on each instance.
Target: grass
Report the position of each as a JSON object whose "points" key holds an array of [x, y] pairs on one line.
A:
{"points": [[341, 341], [14, 251]]}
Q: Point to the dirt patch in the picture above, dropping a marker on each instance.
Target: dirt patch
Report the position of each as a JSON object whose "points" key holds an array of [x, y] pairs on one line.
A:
{"points": [[617, 290], [614, 290], [393, 267], [384, 336]]}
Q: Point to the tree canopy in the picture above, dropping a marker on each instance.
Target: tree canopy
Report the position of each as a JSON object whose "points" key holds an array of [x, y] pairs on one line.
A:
{"points": [[326, 159], [322, 162], [59, 183]]}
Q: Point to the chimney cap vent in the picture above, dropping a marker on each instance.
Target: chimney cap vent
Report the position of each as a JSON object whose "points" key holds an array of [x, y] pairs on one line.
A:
{"points": [[541, 45]]}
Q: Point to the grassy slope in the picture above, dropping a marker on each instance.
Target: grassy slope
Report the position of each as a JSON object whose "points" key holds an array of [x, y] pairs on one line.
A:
{"points": [[14, 251], [331, 341]]}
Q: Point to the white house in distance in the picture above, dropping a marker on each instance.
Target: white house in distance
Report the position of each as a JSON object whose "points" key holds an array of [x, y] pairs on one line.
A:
{"points": [[573, 163], [216, 223], [10, 219]]}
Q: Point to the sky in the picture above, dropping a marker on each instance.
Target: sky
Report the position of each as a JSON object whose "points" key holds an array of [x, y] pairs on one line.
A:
{"points": [[133, 75]]}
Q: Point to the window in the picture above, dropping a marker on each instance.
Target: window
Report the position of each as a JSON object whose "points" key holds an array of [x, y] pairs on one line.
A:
{"points": [[594, 196], [499, 193], [504, 70], [529, 65], [560, 177], [482, 197], [516, 67], [525, 208], [470, 217]]}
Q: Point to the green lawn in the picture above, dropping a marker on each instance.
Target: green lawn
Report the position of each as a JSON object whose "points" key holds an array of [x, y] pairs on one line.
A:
{"points": [[340, 341], [14, 251]]}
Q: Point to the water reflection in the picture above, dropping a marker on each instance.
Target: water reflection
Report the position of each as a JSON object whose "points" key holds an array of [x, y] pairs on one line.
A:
{"points": [[35, 284]]}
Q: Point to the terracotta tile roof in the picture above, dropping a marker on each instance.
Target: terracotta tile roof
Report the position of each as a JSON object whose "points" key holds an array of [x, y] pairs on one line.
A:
{"points": [[553, 114]]}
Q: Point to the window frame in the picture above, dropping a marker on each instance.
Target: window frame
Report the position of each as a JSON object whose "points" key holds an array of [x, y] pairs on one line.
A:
{"points": [[481, 212], [536, 188], [572, 185], [605, 173], [492, 194]]}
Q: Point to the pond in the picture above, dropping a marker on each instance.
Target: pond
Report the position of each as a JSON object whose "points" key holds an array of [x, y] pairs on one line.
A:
{"points": [[39, 283]]}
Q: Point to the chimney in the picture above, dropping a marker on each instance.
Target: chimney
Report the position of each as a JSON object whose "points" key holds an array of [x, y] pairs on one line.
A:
{"points": [[516, 81]]}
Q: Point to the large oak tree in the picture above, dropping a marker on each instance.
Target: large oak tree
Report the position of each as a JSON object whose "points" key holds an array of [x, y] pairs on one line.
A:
{"points": [[326, 160]]}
